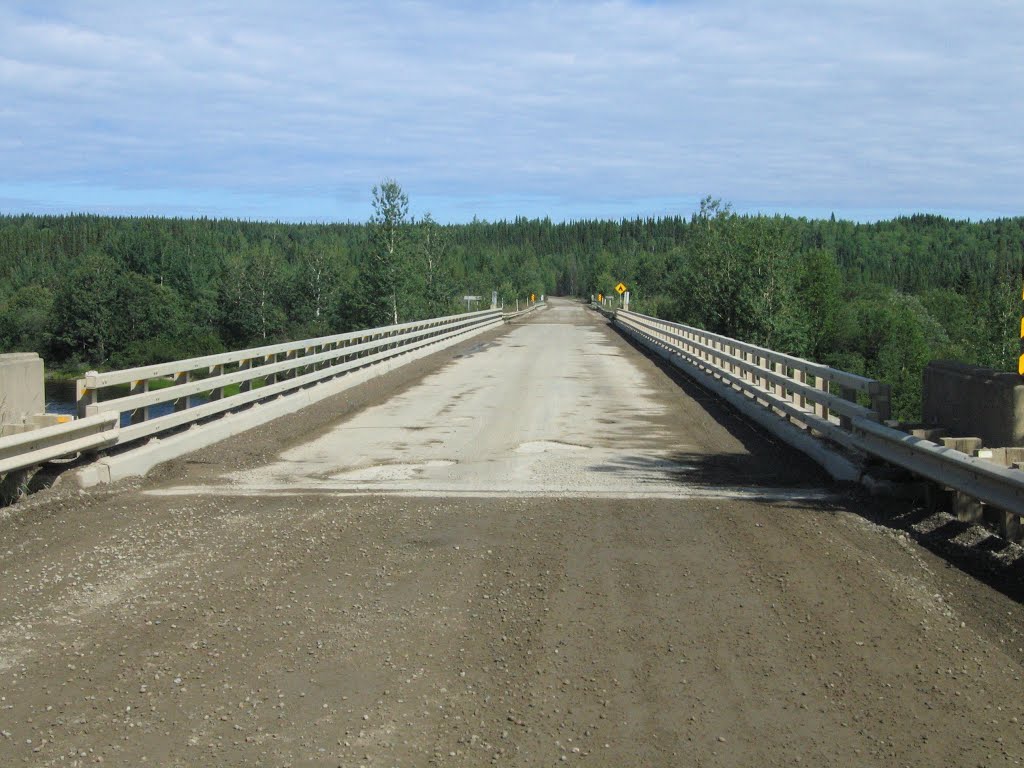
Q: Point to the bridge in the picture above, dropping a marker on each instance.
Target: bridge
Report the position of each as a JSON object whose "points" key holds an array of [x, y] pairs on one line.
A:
{"points": [[542, 541]]}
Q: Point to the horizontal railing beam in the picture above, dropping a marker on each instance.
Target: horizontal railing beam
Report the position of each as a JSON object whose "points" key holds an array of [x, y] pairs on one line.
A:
{"points": [[694, 350], [94, 380], [832, 402], [176, 392], [806, 416], [843, 378], [215, 407]]}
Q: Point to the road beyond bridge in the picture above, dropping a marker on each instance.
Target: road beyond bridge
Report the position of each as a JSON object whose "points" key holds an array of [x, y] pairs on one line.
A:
{"points": [[533, 548]]}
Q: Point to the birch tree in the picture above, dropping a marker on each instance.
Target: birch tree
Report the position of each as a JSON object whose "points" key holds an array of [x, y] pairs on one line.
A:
{"points": [[389, 236]]}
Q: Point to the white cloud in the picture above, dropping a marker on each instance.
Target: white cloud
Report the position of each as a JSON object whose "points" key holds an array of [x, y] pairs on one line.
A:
{"points": [[578, 104]]}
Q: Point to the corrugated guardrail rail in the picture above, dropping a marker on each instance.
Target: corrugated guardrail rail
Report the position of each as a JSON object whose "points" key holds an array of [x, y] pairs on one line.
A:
{"points": [[783, 392], [514, 315], [38, 446]]}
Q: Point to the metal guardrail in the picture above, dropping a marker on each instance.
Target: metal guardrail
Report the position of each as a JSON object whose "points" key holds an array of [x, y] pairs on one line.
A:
{"points": [[1001, 487], [798, 392], [260, 373], [506, 316], [38, 446]]}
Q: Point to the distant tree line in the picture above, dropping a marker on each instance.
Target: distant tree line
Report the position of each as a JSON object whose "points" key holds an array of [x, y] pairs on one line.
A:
{"points": [[878, 299]]}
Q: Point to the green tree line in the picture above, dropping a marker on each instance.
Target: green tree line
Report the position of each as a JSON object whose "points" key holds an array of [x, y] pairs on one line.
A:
{"points": [[879, 299]]}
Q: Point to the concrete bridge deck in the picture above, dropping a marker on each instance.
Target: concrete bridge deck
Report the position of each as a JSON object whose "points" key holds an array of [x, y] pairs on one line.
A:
{"points": [[530, 549]]}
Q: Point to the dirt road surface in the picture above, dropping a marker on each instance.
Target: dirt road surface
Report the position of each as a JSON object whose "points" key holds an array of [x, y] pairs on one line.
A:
{"points": [[534, 548]]}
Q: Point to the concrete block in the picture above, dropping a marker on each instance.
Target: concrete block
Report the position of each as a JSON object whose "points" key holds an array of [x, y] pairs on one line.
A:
{"points": [[21, 387], [933, 434], [968, 445], [40, 420], [1004, 457], [969, 400]]}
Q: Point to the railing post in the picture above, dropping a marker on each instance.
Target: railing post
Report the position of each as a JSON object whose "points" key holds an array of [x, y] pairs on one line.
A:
{"points": [[780, 389], [139, 415], [820, 409], [881, 401], [800, 377], [245, 365], [217, 392], [84, 396], [181, 403], [849, 394]]}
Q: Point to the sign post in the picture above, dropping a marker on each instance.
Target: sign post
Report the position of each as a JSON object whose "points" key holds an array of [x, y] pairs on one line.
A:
{"points": [[1020, 359], [622, 291]]}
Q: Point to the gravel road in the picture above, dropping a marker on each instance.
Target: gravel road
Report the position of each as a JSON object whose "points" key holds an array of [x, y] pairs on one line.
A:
{"points": [[533, 548]]}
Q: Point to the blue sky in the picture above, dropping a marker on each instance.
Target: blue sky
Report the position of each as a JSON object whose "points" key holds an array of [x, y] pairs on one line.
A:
{"points": [[571, 108]]}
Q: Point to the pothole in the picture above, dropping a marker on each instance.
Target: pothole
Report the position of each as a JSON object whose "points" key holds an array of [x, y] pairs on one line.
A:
{"points": [[389, 471], [547, 446]]}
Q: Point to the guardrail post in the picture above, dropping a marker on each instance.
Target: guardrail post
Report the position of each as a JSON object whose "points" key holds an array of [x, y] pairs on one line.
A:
{"points": [[966, 508], [14, 485], [1010, 526]]}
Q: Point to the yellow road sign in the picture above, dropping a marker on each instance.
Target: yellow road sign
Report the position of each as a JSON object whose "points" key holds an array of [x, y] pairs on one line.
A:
{"points": [[533, 297], [600, 297], [621, 288]]}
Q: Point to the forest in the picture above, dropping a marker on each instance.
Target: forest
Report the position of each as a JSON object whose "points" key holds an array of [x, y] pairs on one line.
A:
{"points": [[880, 299]]}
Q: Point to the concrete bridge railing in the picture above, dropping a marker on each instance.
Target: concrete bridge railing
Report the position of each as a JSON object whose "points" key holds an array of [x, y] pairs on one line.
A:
{"points": [[225, 393], [232, 379], [775, 389], [813, 408]]}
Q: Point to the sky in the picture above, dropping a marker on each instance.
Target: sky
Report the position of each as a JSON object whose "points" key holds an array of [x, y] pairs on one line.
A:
{"points": [[570, 109]]}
